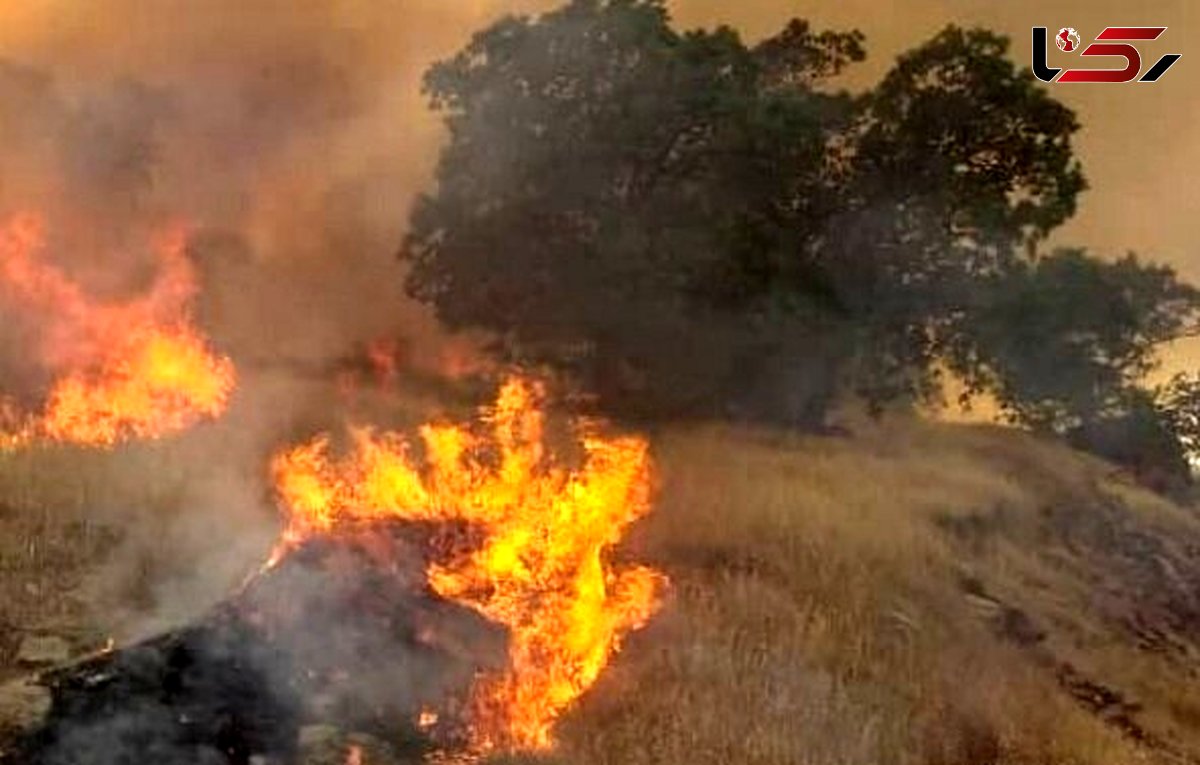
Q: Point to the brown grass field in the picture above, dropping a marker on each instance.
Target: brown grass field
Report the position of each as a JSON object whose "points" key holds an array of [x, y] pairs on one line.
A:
{"points": [[915, 592]]}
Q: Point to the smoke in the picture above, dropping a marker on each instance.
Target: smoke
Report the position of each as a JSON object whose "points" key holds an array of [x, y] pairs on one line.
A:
{"points": [[296, 132], [244, 679], [291, 137]]}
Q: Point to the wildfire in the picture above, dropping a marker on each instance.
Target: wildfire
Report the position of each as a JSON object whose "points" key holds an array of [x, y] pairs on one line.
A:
{"points": [[137, 369], [541, 568]]}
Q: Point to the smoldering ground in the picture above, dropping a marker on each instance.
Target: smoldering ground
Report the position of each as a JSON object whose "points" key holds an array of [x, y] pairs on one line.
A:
{"points": [[242, 682]]}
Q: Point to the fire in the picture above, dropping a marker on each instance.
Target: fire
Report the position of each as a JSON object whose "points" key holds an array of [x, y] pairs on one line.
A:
{"points": [[541, 568], [137, 369], [427, 719], [385, 356]]}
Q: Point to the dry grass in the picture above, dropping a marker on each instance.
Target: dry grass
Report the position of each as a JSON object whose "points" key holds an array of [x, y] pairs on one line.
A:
{"points": [[819, 613], [119, 543], [866, 600], [50, 542]]}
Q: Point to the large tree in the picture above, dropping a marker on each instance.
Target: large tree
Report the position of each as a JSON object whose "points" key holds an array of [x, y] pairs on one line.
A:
{"points": [[688, 223]]}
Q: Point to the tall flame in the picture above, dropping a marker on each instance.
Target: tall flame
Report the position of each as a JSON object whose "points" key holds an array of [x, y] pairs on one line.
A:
{"points": [[137, 369], [541, 569]]}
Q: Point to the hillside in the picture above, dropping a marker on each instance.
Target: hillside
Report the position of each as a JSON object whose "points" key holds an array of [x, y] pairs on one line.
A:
{"points": [[912, 593], [919, 593]]}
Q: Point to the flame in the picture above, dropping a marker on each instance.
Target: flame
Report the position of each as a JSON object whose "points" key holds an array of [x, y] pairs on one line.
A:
{"points": [[137, 369], [541, 569], [427, 719], [384, 355]]}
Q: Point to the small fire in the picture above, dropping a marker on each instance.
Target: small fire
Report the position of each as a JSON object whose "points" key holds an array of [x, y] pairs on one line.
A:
{"points": [[541, 568], [385, 356], [138, 369], [427, 719]]}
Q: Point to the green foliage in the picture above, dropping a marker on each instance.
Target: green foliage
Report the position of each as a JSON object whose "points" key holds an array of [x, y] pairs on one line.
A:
{"points": [[956, 167], [1064, 343], [1178, 406], [1140, 435], [1067, 338], [629, 202]]}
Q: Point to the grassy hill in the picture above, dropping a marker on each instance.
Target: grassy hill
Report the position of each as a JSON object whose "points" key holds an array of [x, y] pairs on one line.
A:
{"points": [[915, 592]]}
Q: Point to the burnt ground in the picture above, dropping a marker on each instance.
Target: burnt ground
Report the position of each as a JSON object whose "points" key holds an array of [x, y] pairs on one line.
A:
{"points": [[341, 637]]}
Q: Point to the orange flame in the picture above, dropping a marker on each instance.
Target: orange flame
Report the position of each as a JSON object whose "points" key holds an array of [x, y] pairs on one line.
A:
{"points": [[541, 570], [385, 355], [128, 370]]}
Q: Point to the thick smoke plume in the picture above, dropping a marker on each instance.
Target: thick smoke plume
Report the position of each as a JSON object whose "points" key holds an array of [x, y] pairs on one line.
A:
{"points": [[292, 135], [291, 138]]}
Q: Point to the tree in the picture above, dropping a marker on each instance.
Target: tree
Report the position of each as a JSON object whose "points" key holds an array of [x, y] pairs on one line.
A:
{"points": [[688, 224], [621, 200], [1064, 344], [1140, 436], [1067, 339], [959, 165], [1170, 434], [1179, 403]]}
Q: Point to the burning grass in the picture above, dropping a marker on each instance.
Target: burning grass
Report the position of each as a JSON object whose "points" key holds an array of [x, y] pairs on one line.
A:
{"points": [[533, 553], [123, 370]]}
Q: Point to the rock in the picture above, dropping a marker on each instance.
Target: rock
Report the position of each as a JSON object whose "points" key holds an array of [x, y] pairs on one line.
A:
{"points": [[23, 705], [43, 651]]}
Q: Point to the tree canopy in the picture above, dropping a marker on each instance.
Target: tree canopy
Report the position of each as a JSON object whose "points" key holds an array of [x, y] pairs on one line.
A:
{"points": [[687, 223]]}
